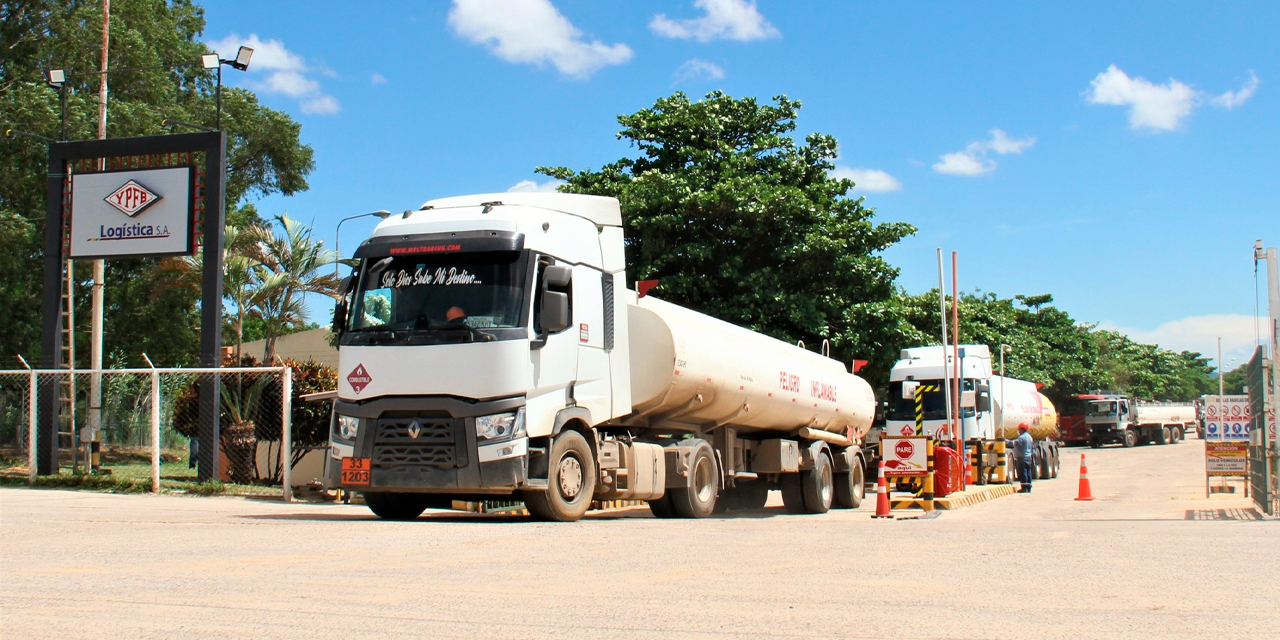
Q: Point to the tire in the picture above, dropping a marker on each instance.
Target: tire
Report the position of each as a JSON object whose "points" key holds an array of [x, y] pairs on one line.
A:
{"points": [[397, 506], [1162, 436], [1130, 438], [1095, 443], [818, 485], [1057, 462], [1178, 435], [698, 498], [661, 508], [571, 481], [851, 486], [792, 494]]}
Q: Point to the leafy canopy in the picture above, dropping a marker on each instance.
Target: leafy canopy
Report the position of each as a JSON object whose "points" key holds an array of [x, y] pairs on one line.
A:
{"points": [[741, 222]]}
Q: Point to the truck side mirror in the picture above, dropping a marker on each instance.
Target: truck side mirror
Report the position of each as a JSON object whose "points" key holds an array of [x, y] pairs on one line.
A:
{"points": [[909, 389], [555, 311], [984, 397], [344, 286], [339, 317], [557, 275]]}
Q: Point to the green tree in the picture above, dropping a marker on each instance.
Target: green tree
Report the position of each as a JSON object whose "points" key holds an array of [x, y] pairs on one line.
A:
{"points": [[295, 263], [157, 38], [744, 224]]}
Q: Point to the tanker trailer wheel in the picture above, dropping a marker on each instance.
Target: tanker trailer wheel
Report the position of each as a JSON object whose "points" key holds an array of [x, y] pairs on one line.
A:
{"points": [[1130, 438], [1162, 436], [817, 485], [697, 499], [850, 486], [571, 481], [397, 506], [1178, 435]]}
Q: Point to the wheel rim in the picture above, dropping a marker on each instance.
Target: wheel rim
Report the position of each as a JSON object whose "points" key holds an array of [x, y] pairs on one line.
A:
{"points": [[827, 487], [569, 474], [703, 480], [859, 483]]}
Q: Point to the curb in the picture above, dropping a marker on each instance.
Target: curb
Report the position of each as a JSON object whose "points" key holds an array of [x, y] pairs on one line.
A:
{"points": [[971, 496]]}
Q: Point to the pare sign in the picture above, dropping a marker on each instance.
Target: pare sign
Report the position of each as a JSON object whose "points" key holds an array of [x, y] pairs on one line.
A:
{"points": [[905, 456]]}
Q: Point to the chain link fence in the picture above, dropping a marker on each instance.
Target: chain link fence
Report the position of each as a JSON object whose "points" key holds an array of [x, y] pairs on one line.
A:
{"points": [[140, 428]]}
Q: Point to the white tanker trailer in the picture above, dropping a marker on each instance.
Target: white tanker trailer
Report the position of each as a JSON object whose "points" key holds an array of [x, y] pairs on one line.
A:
{"points": [[489, 347]]}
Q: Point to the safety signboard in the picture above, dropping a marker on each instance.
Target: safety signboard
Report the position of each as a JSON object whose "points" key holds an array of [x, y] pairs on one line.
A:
{"points": [[1226, 418], [905, 456], [1226, 458]]}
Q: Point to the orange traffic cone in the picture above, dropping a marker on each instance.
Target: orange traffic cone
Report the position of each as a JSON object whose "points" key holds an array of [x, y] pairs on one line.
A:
{"points": [[1085, 493], [882, 496]]}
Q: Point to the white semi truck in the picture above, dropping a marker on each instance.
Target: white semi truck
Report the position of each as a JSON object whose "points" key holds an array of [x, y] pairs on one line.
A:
{"points": [[1123, 420], [993, 406], [489, 348]]}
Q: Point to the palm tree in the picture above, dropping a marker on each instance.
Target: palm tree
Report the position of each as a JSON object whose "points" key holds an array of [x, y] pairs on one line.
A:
{"points": [[295, 264], [241, 272]]}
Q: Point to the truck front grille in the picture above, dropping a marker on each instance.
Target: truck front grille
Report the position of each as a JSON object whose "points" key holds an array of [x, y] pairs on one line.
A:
{"points": [[412, 441]]}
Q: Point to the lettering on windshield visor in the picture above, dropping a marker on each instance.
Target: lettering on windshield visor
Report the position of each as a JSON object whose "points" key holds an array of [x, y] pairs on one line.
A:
{"points": [[429, 277], [426, 248]]}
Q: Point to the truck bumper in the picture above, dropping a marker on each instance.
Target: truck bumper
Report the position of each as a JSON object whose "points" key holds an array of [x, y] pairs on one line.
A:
{"points": [[429, 445], [1107, 435]]}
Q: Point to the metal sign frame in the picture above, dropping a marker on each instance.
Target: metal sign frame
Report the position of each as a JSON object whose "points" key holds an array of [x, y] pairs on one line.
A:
{"points": [[213, 145]]}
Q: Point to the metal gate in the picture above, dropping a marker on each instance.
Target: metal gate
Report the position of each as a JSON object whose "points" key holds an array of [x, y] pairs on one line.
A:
{"points": [[1264, 461]]}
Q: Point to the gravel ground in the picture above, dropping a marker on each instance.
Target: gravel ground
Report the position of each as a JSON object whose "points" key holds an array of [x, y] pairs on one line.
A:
{"points": [[1151, 558]]}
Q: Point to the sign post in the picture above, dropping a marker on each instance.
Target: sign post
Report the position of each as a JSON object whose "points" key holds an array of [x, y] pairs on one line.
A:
{"points": [[118, 209]]}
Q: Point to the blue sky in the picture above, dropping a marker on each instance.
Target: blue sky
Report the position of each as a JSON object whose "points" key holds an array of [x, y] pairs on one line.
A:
{"points": [[1120, 156]]}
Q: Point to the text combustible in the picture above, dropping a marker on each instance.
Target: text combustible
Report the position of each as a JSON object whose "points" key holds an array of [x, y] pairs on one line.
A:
{"points": [[819, 390]]}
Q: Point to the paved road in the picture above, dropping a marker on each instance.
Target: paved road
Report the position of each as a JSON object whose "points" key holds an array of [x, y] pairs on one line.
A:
{"points": [[1129, 565]]}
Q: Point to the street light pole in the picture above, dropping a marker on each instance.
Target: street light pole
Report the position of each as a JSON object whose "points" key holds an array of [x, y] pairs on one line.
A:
{"points": [[337, 233], [1004, 348]]}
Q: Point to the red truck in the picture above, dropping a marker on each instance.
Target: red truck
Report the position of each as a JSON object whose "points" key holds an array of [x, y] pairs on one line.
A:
{"points": [[1072, 429]]}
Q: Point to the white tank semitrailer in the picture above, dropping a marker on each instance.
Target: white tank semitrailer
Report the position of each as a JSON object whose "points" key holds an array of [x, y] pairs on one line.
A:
{"points": [[1166, 414], [1026, 404], [689, 369]]}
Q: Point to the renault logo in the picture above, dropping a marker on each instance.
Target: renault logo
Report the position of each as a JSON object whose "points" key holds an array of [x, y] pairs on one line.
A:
{"points": [[414, 429]]}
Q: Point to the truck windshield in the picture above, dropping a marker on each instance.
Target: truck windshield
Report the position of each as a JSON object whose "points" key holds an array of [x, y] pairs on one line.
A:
{"points": [[935, 402], [1102, 409], [468, 297]]}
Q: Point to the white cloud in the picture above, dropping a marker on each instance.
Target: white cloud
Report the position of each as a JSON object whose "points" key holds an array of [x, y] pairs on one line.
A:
{"points": [[1200, 334], [722, 19], [377, 78], [1233, 99], [533, 32], [321, 105], [696, 70], [973, 160], [287, 73], [868, 180], [531, 186], [1153, 106]]}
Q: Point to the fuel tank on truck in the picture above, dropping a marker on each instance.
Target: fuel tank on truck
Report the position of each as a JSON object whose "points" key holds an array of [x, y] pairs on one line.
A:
{"points": [[1166, 414], [689, 370], [1022, 402]]}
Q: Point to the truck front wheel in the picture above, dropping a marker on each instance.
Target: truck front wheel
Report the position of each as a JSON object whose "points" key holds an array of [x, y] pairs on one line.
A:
{"points": [[571, 481], [697, 499], [1130, 438]]}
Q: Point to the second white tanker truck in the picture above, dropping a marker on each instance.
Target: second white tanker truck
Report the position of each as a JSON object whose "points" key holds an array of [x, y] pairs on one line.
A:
{"points": [[490, 348], [993, 408]]}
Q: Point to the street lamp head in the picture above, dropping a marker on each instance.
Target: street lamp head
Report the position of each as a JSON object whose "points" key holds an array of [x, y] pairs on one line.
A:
{"points": [[242, 58], [382, 214], [55, 77], [209, 61]]}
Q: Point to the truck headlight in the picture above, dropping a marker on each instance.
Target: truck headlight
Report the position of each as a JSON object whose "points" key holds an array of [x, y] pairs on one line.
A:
{"points": [[348, 428], [500, 426]]}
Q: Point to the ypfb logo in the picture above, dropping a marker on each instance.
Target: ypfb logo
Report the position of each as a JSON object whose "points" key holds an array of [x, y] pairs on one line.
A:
{"points": [[131, 198], [359, 378]]}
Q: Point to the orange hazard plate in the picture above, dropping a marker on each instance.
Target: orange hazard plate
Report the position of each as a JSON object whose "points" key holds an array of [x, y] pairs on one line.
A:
{"points": [[355, 471]]}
